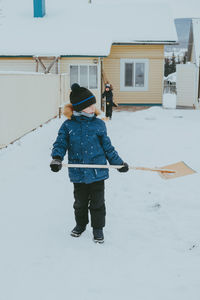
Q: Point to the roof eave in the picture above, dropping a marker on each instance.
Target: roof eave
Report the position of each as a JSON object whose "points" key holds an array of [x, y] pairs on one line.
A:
{"points": [[32, 56], [147, 43], [84, 56], [100, 55]]}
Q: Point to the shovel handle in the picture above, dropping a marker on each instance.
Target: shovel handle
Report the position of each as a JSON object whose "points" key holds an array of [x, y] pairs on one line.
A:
{"points": [[117, 167]]}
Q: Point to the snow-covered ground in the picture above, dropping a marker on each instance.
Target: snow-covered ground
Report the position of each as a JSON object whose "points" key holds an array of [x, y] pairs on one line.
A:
{"points": [[152, 236]]}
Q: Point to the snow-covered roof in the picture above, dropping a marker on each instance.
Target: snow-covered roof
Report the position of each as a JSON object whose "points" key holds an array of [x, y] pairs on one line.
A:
{"points": [[171, 77], [75, 27]]}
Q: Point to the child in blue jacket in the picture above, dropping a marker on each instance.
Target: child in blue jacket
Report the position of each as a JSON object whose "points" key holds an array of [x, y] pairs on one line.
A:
{"points": [[85, 138]]}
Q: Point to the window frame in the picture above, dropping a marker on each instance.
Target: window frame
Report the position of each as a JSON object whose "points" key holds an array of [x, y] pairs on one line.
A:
{"points": [[88, 75], [124, 88]]}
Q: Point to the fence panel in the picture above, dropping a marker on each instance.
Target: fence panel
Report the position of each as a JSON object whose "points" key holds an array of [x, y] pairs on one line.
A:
{"points": [[26, 102], [186, 85]]}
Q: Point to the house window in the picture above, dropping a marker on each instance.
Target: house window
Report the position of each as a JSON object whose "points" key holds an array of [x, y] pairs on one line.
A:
{"points": [[134, 74], [85, 75], [128, 76], [93, 77], [73, 74], [83, 81]]}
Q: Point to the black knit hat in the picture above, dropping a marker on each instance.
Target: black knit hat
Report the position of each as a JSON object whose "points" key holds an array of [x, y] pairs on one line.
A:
{"points": [[81, 97]]}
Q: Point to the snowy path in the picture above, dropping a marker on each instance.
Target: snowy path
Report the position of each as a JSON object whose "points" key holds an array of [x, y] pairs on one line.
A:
{"points": [[151, 223]]}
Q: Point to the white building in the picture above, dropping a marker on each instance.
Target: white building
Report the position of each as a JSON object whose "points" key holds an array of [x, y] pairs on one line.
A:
{"points": [[188, 79]]}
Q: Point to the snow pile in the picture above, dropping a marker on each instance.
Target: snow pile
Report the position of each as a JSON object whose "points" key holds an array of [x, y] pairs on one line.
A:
{"points": [[169, 100], [171, 77], [152, 241]]}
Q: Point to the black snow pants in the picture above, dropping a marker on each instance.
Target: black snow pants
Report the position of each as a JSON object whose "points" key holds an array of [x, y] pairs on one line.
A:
{"points": [[109, 110], [90, 197]]}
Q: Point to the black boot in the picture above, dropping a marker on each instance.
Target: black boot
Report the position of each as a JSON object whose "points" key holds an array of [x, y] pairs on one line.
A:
{"points": [[78, 229], [98, 235]]}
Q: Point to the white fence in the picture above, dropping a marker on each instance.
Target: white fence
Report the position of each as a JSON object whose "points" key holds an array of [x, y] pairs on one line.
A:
{"points": [[187, 84], [27, 101]]}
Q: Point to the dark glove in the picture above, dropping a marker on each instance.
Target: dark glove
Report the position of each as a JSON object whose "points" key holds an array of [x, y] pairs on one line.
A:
{"points": [[56, 165], [124, 168]]}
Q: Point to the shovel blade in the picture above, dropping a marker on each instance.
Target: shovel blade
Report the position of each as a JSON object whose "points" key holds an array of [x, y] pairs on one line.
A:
{"points": [[180, 168]]}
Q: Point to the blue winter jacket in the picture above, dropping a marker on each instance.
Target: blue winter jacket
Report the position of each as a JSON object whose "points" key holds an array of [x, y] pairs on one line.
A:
{"points": [[87, 143]]}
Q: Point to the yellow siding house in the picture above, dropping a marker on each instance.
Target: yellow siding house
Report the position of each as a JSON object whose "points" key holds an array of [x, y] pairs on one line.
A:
{"points": [[136, 73]]}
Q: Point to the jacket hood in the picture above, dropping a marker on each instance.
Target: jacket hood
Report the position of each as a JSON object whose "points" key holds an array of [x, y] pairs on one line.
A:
{"points": [[68, 111]]}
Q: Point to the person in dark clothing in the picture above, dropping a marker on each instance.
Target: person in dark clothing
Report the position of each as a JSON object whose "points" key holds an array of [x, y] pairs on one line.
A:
{"points": [[85, 138], [109, 100]]}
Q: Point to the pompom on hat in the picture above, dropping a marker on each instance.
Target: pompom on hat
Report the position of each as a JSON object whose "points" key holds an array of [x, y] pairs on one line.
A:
{"points": [[81, 97]]}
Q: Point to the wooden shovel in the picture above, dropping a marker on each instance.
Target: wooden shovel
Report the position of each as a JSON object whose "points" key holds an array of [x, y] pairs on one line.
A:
{"points": [[168, 172]]}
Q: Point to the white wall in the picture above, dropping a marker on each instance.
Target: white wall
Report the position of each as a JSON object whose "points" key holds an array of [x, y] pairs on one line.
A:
{"points": [[186, 84], [26, 102]]}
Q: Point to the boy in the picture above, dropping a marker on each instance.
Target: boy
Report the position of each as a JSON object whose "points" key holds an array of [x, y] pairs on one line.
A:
{"points": [[85, 138]]}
